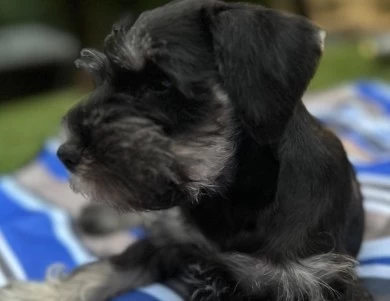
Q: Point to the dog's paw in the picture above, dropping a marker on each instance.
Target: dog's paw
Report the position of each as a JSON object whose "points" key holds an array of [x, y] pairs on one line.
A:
{"points": [[48, 291], [31, 291], [97, 220], [100, 220], [206, 284]]}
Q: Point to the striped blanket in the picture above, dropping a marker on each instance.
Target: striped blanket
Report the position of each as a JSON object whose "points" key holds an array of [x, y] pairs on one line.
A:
{"points": [[37, 206]]}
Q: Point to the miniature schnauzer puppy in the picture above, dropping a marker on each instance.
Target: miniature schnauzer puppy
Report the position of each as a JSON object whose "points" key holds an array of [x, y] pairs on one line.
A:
{"points": [[197, 121]]}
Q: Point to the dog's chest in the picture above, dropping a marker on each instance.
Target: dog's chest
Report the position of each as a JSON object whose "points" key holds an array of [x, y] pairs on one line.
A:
{"points": [[233, 228]]}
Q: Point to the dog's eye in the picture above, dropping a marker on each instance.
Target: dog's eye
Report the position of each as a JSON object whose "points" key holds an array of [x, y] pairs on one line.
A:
{"points": [[161, 85]]}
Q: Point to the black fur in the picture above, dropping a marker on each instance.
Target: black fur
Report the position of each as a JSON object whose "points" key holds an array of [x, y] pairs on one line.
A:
{"points": [[198, 106]]}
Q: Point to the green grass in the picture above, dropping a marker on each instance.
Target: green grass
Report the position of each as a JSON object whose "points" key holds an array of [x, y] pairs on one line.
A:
{"points": [[342, 63], [25, 124]]}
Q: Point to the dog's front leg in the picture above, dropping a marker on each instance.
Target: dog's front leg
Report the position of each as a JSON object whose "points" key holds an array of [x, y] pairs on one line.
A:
{"points": [[143, 263], [87, 283]]}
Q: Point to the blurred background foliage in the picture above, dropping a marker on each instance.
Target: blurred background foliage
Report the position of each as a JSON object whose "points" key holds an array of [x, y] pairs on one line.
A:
{"points": [[90, 20], [34, 96]]}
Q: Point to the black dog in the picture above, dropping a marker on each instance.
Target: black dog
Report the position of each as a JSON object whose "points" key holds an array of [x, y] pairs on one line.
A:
{"points": [[198, 108]]}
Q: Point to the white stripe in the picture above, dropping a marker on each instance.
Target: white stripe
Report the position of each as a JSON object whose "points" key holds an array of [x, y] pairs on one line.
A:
{"points": [[376, 207], [374, 179], [3, 280], [52, 145], [375, 248], [161, 292], [62, 229], [11, 259], [374, 271], [60, 221], [375, 193]]}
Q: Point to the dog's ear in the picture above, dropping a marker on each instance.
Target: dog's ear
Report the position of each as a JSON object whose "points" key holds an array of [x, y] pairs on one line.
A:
{"points": [[266, 59]]}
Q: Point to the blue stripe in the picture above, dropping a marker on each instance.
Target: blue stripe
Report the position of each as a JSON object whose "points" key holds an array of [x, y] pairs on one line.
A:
{"points": [[138, 233], [374, 168], [60, 221], [379, 260], [136, 296], [30, 235], [376, 93]]}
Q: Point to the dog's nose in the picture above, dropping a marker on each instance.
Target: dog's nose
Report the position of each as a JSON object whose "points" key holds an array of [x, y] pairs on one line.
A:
{"points": [[69, 155]]}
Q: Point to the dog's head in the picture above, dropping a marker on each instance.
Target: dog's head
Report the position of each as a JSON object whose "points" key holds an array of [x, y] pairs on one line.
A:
{"points": [[174, 91]]}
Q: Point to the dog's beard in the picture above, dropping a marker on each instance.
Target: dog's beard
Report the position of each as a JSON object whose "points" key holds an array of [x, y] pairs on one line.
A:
{"points": [[111, 188], [80, 186], [104, 192]]}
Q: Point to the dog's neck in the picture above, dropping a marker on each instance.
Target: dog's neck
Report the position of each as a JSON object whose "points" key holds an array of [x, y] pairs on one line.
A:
{"points": [[252, 189]]}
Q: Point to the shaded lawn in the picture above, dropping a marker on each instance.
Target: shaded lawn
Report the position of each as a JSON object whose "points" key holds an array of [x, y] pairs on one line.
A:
{"points": [[26, 123], [342, 63]]}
